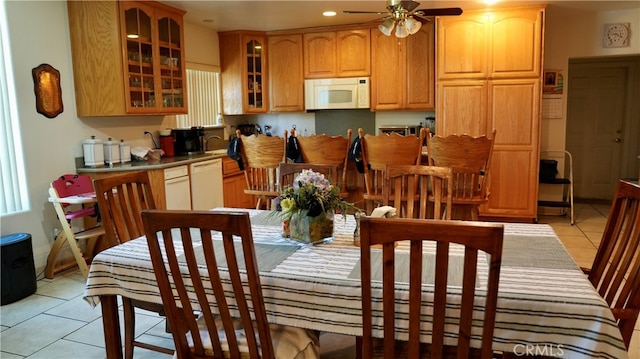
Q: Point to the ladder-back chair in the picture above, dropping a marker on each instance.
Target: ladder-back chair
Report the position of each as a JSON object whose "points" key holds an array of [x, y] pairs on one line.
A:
{"points": [[262, 155], [289, 171], [121, 199], [408, 185], [238, 327], [615, 272], [470, 159], [330, 150], [382, 150], [429, 243]]}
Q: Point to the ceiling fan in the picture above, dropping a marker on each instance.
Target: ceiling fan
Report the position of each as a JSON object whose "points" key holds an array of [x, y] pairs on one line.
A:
{"points": [[402, 15]]}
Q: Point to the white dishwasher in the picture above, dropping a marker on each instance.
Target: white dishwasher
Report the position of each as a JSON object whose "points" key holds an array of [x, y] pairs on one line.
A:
{"points": [[176, 188], [206, 184]]}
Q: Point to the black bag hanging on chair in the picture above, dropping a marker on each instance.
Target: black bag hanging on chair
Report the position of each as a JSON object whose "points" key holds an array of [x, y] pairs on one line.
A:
{"points": [[293, 150], [355, 154], [233, 151]]}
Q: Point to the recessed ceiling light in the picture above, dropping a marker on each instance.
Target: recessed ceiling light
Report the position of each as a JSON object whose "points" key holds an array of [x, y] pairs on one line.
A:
{"points": [[329, 13]]}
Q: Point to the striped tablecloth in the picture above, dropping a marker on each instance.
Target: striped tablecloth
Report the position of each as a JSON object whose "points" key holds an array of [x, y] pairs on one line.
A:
{"points": [[545, 306]]}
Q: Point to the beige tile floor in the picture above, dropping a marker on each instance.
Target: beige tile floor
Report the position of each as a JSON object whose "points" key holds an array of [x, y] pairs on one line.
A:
{"points": [[57, 323]]}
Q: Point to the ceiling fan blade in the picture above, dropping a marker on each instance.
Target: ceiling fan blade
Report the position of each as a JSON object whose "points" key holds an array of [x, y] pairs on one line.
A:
{"points": [[422, 19], [451, 11], [409, 5], [364, 12]]}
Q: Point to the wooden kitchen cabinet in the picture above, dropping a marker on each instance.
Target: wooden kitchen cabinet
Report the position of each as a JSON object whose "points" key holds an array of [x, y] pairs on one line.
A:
{"points": [[462, 108], [286, 79], [234, 184], [243, 59], [497, 86], [403, 71], [512, 107], [128, 58], [501, 44], [341, 53], [514, 112]]}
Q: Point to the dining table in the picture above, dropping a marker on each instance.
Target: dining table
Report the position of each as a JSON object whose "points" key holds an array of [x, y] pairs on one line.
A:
{"points": [[546, 305]]}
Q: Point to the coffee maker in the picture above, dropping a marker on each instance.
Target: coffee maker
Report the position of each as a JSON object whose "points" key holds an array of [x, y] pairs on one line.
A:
{"points": [[188, 141]]}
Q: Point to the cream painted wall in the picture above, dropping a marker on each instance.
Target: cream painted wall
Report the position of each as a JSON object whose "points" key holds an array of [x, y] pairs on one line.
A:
{"points": [[201, 45], [575, 34], [50, 145], [39, 33]]}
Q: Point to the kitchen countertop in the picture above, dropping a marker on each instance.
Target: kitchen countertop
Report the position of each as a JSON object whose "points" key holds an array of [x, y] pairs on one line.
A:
{"points": [[163, 162]]}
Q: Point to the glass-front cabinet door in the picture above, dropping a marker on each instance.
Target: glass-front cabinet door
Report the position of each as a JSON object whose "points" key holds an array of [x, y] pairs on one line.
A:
{"points": [[256, 86], [244, 80], [139, 62], [154, 60], [171, 66]]}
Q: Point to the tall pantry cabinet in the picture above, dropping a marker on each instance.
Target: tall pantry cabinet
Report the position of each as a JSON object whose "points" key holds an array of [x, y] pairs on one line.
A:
{"points": [[489, 77]]}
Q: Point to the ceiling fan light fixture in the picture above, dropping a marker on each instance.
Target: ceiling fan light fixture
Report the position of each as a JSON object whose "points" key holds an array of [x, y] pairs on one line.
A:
{"points": [[401, 30], [412, 25], [407, 20], [386, 27]]}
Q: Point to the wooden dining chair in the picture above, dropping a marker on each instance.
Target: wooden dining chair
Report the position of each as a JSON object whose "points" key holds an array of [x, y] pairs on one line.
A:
{"points": [[239, 327], [331, 150], [382, 150], [463, 307], [470, 158], [261, 156], [408, 185], [289, 171], [121, 200], [66, 186], [615, 272]]}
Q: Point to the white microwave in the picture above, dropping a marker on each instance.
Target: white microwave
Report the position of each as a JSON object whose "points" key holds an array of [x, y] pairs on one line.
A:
{"points": [[336, 93], [401, 129]]}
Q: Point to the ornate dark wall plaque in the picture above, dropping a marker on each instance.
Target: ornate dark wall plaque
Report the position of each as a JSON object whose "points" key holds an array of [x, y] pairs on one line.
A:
{"points": [[46, 84]]}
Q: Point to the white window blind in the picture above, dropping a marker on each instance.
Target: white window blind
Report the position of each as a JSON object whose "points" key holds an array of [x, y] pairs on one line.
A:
{"points": [[13, 185], [203, 100]]}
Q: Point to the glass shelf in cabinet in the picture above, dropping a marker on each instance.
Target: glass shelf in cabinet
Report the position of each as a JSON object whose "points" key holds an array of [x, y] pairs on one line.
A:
{"points": [[140, 64], [169, 45], [174, 91]]}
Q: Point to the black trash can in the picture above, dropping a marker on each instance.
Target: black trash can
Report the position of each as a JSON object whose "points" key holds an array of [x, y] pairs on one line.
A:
{"points": [[18, 269]]}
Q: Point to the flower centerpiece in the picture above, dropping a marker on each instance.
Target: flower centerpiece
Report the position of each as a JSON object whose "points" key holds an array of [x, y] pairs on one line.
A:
{"points": [[307, 207]]}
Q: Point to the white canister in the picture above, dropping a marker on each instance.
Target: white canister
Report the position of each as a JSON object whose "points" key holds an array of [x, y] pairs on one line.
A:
{"points": [[93, 152], [111, 152], [125, 152]]}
